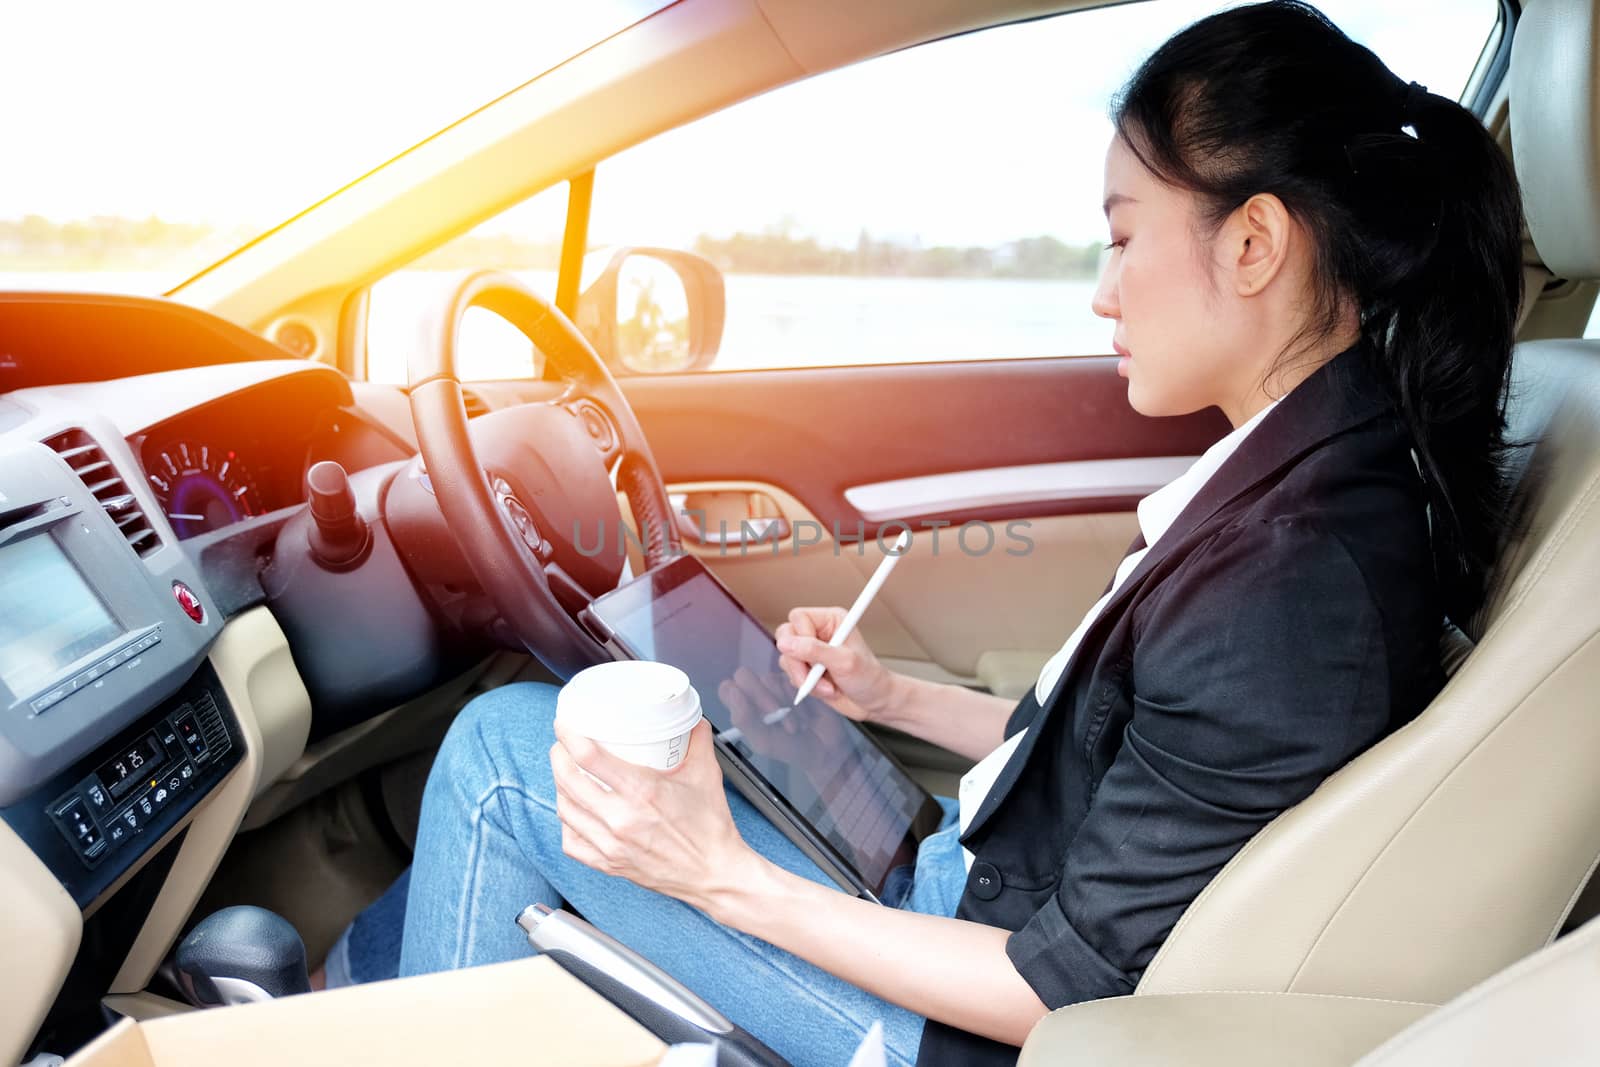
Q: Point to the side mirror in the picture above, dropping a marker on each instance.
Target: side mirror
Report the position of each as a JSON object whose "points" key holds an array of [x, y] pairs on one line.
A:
{"points": [[654, 311]]}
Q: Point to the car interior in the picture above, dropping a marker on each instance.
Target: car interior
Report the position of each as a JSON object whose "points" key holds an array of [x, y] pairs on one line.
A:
{"points": [[281, 580]]}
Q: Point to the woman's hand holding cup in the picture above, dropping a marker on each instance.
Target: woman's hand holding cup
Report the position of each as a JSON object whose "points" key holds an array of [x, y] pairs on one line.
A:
{"points": [[638, 788], [857, 685]]}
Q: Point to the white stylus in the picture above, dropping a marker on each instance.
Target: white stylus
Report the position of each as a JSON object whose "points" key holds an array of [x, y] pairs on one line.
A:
{"points": [[857, 609]]}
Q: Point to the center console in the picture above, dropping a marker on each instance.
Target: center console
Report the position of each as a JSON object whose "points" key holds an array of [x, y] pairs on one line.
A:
{"points": [[112, 726]]}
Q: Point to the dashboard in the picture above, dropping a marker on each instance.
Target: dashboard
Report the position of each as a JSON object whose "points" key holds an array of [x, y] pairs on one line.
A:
{"points": [[152, 470], [246, 453], [195, 461]]}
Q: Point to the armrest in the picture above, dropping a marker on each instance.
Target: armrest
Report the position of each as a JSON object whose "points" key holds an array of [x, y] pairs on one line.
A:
{"points": [[646, 993], [1218, 1030], [1010, 673]]}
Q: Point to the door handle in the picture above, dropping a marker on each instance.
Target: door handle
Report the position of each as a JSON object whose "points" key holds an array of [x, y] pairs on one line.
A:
{"points": [[718, 519]]}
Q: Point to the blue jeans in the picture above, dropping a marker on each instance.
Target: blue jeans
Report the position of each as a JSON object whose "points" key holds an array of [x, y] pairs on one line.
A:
{"points": [[489, 845]]}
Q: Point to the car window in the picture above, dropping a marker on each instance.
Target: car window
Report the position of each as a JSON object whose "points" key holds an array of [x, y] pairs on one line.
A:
{"points": [[943, 202], [526, 240], [1592, 330]]}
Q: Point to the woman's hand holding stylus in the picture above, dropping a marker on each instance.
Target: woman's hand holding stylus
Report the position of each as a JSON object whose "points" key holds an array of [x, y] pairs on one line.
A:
{"points": [[856, 684], [859, 687]]}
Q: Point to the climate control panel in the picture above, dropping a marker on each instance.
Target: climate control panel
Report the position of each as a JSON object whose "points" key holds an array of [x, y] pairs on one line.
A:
{"points": [[122, 796], [94, 820]]}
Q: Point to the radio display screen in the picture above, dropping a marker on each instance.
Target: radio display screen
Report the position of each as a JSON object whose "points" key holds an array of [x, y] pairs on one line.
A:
{"points": [[48, 614], [132, 766]]}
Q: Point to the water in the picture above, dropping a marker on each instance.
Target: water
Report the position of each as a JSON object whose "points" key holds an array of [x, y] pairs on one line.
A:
{"points": [[775, 321], [812, 321], [771, 320]]}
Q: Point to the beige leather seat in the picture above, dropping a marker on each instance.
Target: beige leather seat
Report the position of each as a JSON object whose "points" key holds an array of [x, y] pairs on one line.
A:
{"points": [[1538, 1011], [1461, 843]]}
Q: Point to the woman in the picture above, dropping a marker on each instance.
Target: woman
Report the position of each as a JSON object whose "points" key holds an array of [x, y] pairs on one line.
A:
{"points": [[1329, 255]]}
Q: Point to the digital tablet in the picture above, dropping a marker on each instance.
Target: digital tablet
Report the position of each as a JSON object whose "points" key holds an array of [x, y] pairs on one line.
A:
{"points": [[821, 779]]}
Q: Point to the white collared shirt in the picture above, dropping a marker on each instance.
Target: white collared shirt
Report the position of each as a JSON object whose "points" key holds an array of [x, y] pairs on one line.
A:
{"points": [[1157, 512]]}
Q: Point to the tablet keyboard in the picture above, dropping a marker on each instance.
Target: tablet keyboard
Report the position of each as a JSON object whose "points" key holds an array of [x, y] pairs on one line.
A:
{"points": [[862, 811]]}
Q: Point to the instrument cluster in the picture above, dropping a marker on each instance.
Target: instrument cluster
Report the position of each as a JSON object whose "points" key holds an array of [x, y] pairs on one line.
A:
{"points": [[240, 455], [203, 486]]}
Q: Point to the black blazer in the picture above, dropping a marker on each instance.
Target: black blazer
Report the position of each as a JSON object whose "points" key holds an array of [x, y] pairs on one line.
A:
{"points": [[1287, 620]]}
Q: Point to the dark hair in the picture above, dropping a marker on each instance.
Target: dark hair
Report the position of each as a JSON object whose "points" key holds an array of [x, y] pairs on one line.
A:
{"points": [[1412, 208]]}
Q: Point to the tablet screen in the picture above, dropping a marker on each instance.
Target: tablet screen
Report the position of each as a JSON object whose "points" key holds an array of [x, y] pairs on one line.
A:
{"points": [[821, 763]]}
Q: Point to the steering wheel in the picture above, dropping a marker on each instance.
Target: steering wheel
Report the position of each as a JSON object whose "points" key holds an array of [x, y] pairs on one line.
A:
{"points": [[526, 491]]}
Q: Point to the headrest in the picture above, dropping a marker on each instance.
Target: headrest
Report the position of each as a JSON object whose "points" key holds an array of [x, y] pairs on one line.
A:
{"points": [[1555, 59]]}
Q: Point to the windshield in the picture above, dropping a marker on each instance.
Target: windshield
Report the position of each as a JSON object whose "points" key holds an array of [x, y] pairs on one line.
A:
{"points": [[144, 141]]}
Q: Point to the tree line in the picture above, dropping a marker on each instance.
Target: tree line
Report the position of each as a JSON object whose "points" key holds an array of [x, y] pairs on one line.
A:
{"points": [[781, 252], [114, 243]]}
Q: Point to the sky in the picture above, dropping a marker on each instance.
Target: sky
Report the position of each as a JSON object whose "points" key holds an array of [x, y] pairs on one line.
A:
{"points": [[195, 111], [243, 114]]}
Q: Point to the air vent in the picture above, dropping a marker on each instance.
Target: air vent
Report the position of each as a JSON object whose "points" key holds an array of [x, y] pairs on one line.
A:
{"points": [[100, 477], [212, 728], [474, 403]]}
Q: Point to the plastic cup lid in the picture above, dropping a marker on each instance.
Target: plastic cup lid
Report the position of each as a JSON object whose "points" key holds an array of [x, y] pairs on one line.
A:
{"points": [[629, 702]]}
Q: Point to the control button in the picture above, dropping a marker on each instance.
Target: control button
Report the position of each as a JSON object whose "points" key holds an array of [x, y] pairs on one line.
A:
{"points": [[596, 426], [131, 818], [146, 807], [97, 797], [80, 827], [186, 772], [115, 659], [52, 698], [984, 881], [523, 523], [118, 832], [189, 731], [79, 823], [148, 640], [159, 795], [189, 602]]}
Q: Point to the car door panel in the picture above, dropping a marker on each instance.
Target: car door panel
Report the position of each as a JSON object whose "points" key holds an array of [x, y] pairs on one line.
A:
{"points": [[822, 431], [1045, 455]]}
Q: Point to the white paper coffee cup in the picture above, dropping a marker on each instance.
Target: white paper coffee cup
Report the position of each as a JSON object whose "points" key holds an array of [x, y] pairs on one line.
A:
{"points": [[638, 710]]}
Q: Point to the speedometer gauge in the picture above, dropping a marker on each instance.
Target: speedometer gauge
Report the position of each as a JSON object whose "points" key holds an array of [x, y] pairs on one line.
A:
{"points": [[202, 488]]}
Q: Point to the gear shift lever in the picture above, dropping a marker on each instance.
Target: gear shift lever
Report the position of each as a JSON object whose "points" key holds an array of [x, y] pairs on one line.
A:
{"points": [[239, 955]]}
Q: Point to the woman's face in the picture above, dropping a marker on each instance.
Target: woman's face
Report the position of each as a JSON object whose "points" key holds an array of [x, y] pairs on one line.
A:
{"points": [[1179, 325]]}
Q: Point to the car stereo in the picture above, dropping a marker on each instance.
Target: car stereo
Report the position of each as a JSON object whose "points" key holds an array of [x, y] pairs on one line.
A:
{"points": [[91, 635], [52, 623]]}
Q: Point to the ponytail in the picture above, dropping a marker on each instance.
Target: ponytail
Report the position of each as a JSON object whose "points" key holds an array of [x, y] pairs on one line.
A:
{"points": [[1414, 213], [1445, 338]]}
